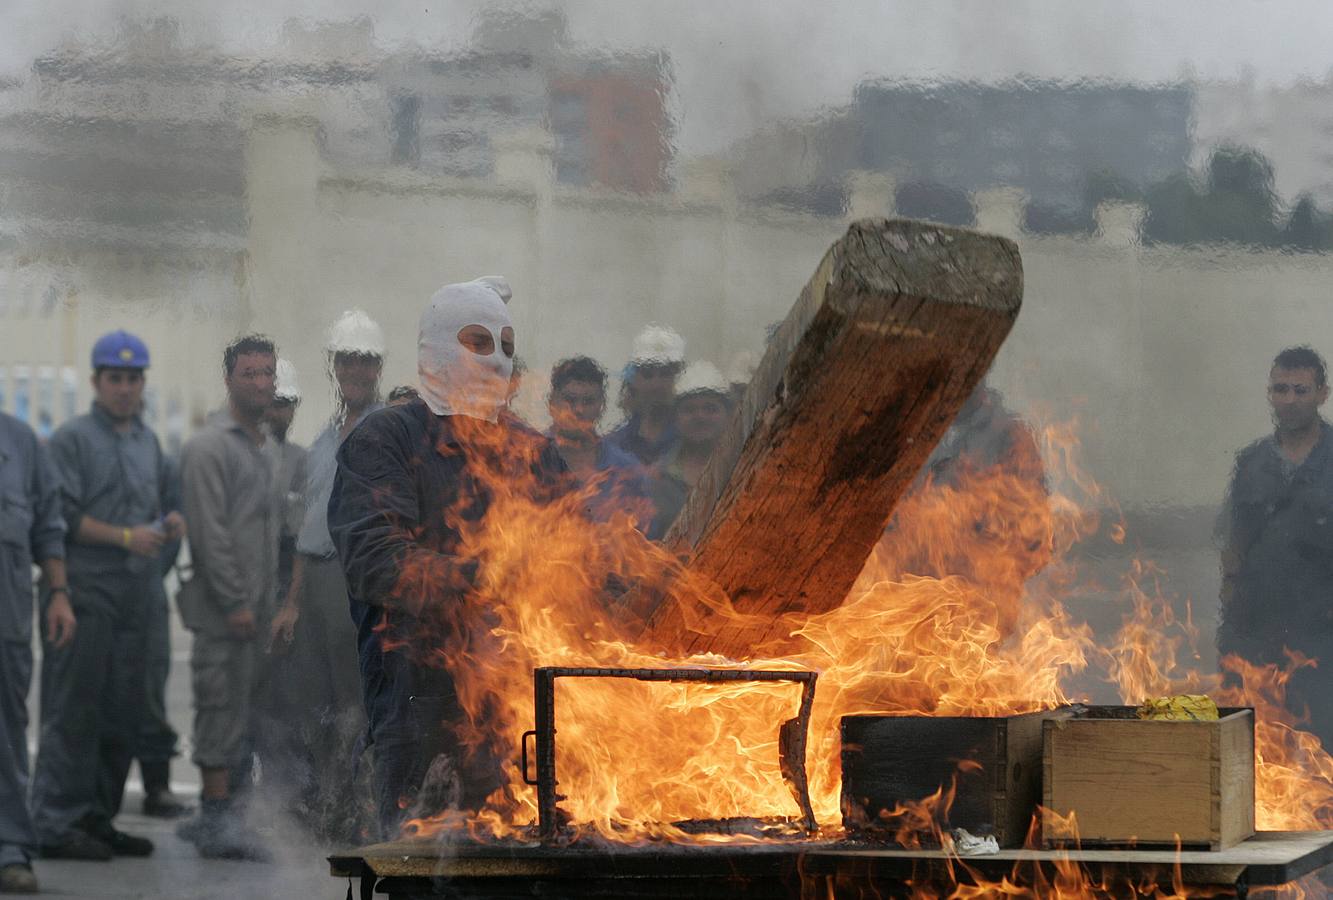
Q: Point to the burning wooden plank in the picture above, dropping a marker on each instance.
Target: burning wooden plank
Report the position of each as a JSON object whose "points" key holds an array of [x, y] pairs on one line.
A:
{"points": [[897, 326]]}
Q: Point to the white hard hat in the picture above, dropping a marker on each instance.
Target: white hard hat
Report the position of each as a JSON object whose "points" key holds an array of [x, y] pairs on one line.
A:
{"points": [[702, 377], [288, 388], [356, 332], [742, 367], [657, 345]]}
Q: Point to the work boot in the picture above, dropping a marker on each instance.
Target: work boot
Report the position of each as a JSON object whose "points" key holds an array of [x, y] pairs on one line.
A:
{"points": [[17, 878], [121, 844], [78, 844], [222, 834], [163, 804], [158, 800]]}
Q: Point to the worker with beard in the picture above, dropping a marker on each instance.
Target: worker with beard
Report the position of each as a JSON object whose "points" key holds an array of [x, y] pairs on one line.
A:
{"points": [[648, 395], [312, 632], [702, 410], [1277, 530], [116, 493], [408, 477], [228, 473]]}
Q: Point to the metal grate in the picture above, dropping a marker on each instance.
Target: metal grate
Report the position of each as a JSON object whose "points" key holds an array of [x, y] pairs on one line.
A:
{"points": [[791, 735]]}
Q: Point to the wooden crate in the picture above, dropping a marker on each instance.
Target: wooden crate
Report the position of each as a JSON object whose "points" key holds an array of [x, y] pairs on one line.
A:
{"points": [[889, 760], [1130, 781]]}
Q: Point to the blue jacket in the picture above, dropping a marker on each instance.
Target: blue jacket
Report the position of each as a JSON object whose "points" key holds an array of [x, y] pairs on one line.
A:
{"points": [[403, 478]]}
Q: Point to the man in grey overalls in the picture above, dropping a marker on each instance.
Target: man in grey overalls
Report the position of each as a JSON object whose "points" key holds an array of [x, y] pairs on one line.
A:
{"points": [[31, 529], [113, 484], [228, 477]]}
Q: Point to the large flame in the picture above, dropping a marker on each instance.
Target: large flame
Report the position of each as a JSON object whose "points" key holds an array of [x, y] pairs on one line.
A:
{"points": [[958, 612]]}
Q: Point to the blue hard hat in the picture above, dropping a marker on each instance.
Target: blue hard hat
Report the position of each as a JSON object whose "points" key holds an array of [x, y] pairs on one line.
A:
{"points": [[120, 350]]}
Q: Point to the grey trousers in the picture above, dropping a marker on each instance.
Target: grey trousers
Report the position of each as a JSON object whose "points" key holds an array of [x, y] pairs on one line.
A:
{"points": [[157, 739], [313, 715], [93, 699], [18, 839]]}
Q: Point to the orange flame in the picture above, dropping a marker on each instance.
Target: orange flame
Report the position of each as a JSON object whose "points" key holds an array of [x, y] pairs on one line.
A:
{"points": [[958, 612]]}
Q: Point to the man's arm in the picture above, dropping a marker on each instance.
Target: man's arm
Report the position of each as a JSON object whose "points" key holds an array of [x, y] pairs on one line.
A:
{"points": [[66, 455], [203, 482], [373, 518], [169, 496], [47, 545]]}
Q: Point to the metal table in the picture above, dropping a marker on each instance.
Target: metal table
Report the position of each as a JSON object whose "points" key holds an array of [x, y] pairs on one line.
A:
{"points": [[425, 868]]}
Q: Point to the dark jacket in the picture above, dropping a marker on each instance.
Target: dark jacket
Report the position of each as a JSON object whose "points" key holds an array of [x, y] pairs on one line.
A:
{"points": [[404, 480], [1277, 558]]}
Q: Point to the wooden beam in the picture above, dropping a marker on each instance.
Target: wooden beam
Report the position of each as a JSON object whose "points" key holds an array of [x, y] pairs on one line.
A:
{"points": [[898, 325]]}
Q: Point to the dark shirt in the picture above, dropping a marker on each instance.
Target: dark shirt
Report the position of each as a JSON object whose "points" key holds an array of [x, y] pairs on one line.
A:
{"points": [[121, 478], [31, 529], [985, 435], [669, 491], [622, 482], [627, 439], [1277, 561], [403, 480]]}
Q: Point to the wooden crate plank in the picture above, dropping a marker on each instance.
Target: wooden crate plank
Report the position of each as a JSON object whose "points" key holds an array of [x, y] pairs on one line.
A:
{"points": [[1237, 778], [1149, 781], [898, 325]]}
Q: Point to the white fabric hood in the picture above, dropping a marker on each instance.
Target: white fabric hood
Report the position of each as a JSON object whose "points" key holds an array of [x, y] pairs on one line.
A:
{"points": [[455, 381]]}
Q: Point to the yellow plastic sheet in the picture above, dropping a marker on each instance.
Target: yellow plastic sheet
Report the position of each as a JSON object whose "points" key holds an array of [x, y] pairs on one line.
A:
{"points": [[1182, 707]]}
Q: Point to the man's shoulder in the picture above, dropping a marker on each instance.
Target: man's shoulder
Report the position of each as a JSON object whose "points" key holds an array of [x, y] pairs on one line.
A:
{"points": [[16, 433], [76, 428], [387, 426], [613, 456], [393, 418], [208, 439], [1255, 449]]}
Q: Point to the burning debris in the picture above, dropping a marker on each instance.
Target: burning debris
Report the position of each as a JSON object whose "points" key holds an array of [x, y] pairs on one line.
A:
{"points": [[650, 765]]}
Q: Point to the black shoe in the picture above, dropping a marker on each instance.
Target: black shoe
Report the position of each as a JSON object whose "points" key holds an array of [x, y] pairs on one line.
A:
{"points": [[123, 844], [78, 845], [17, 878], [162, 804]]}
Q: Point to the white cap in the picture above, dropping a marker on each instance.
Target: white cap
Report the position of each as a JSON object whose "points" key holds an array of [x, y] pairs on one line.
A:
{"points": [[702, 377], [288, 388], [356, 332], [657, 345]]}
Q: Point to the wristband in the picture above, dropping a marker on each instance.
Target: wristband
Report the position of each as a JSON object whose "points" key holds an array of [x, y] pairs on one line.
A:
{"points": [[60, 590], [125, 537]]}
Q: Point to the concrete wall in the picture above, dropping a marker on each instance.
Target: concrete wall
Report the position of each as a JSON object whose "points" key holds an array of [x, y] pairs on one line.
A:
{"points": [[1162, 352]]}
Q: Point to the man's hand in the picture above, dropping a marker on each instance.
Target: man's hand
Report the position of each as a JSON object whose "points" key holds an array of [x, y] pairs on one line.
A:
{"points": [[145, 540], [284, 625], [242, 625], [60, 622], [175, 525]]}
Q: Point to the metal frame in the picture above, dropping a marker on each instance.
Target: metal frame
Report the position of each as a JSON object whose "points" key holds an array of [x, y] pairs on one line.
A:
{"points": [[791, 735]]}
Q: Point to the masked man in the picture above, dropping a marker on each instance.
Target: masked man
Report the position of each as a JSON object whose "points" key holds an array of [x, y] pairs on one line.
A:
{"points": [[407, 477]]}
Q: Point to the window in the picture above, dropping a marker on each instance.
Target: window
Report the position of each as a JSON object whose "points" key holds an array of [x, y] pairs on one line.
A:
{"points": [[406, 129], [69, 392], [46, 402], [22, 397]]}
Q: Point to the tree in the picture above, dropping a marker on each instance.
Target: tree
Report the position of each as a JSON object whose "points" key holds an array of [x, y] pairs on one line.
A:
{"points": [[1239, 204]]}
